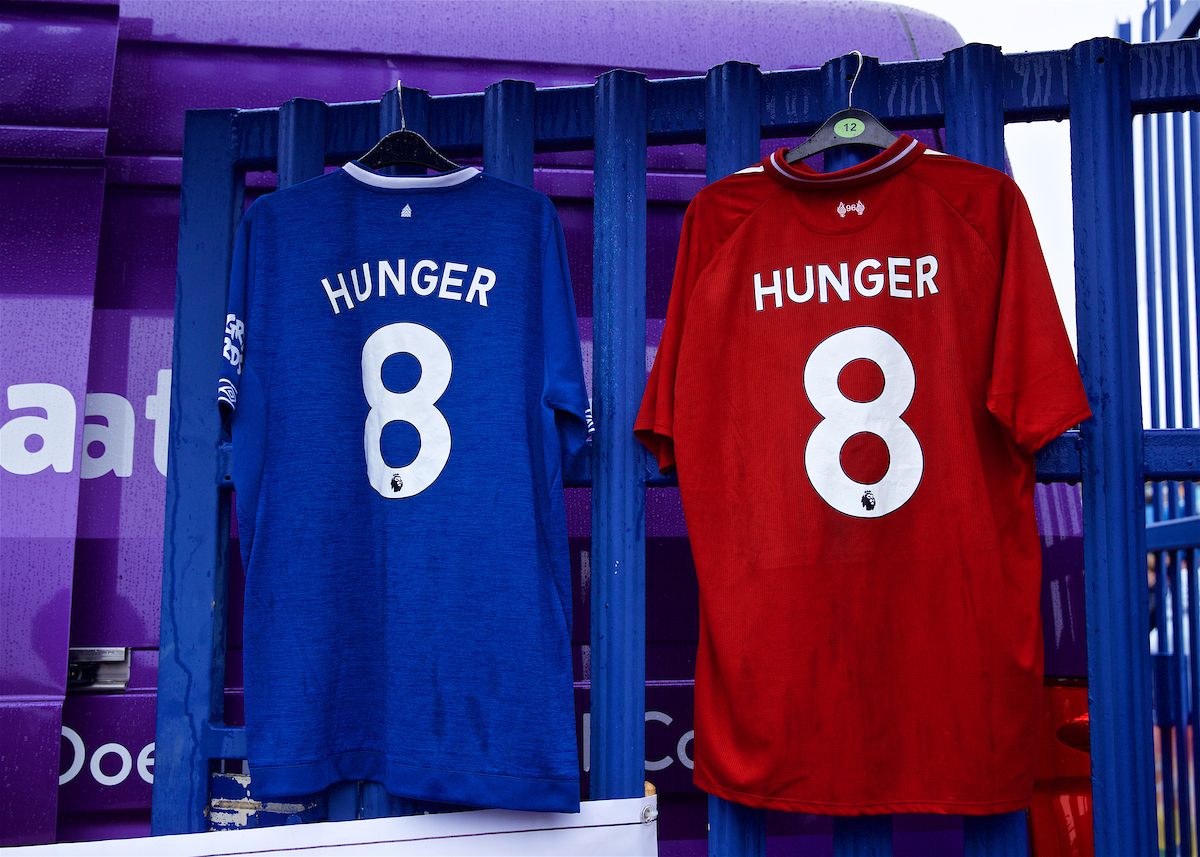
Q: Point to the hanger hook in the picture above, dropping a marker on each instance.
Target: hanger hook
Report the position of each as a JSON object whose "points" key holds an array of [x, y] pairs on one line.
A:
{"points": [[400, 99], [857, 72]]}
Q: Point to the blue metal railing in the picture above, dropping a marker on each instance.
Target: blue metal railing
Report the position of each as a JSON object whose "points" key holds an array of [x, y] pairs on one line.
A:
{"points": [[1174, 533], [1098, 84]]}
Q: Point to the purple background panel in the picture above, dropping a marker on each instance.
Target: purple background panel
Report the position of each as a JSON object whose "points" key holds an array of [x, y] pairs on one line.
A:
{"points": [[49, 230], [56, 64], [42, 341], [35, 589], [29, 733], [106, 754]]}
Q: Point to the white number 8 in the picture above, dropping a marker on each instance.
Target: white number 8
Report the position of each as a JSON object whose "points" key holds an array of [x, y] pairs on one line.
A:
{"points": [[415, 407], [843, 418]]}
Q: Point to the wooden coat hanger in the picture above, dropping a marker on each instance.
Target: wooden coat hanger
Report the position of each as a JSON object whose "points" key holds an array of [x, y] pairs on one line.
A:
{"points": [[405, 147], [849, 127]]}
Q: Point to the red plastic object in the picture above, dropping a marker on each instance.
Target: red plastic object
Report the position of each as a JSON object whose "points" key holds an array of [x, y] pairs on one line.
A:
{"points": [[1060, 818]]}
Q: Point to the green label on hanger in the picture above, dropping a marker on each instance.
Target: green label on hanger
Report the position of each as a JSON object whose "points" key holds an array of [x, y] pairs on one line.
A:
{"points": [[849, 128]]}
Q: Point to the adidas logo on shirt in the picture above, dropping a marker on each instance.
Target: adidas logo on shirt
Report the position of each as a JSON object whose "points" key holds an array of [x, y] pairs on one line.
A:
{"points": [[406, 211]]}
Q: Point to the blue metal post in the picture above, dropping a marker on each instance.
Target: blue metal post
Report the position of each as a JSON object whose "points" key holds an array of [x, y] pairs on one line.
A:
{"points": [[732, 121], [302, 157], [192, 641], [837, 75], [301, 140], [735, 830], [408, 108], [1190, 502], [862, 836], [988, 835], [869, 835], [618, 661], [1151, 282], [1119, 692], [508, 131], [974, 87]]}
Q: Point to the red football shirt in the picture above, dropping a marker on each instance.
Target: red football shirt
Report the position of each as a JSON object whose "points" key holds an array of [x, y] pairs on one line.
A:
{"points": [[855, 372]]}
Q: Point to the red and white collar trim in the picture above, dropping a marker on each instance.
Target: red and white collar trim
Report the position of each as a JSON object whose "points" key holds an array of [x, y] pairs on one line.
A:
{"points": [[888, 162]]}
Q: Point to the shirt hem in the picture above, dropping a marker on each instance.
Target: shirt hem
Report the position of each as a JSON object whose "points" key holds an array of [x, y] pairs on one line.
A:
{"points": [[939, 807], [498, 791]]}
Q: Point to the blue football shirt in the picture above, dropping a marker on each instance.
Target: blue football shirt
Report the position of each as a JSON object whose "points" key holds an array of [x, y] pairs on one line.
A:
{"points": [[403, 379]]}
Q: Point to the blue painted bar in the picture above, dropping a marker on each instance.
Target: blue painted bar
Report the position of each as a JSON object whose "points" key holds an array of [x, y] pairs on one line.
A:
{"points": [[1172, 453], [732, 98], [1190, 498], [735, 830], [1185, 811], [1119, 691], [862, 836], [301, 141], [989, 835], [1166, 384], [1173, 534], [975, 131], [844, 84], [302, 156], [1034, 88], [191, 666], [341, 800], [392, 116], [975, 104], [508, 131], [374, 801], [1152, 271], [837, 76], [618, 664], [218, 741]]}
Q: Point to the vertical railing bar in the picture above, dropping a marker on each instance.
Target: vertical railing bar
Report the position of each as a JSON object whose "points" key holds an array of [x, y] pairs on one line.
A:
{"points": [[301, 140], [191, 648], [302, 157], [1191, 491], [1119, 688], [733, 94], [1175, 507], [862, 835], [618, 642], [1151, 262], [836, 76], [732, 126], [508, 127], [974, 84], [1154, 275], [1178, 175], [988, 835], [1174, 776]]}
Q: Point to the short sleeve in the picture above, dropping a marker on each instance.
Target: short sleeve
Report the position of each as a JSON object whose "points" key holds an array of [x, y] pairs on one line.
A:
{"points": [[655, 422], [1035, 390], [565, 389], [233, 350]]}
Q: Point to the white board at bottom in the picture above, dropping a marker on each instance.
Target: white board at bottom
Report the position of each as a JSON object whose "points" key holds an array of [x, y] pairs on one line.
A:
{"points": [[613, 828]]}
